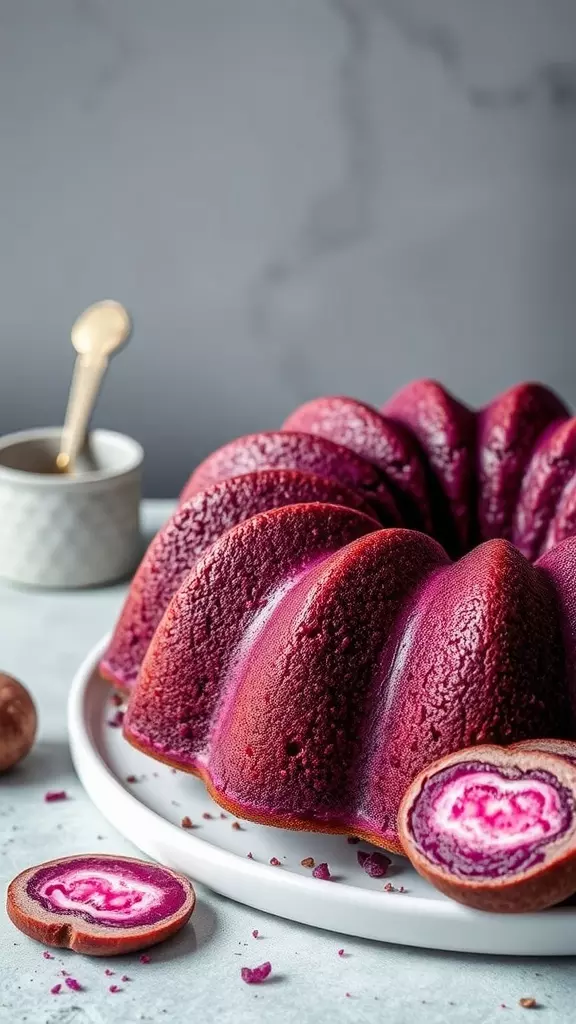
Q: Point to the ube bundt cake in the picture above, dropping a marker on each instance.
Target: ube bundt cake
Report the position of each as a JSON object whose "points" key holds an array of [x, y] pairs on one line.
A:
{"points": [[291, 642], [196, 524]]}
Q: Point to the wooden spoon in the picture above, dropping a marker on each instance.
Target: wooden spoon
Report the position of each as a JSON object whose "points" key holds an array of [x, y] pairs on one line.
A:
{"points": [[98, 332]]}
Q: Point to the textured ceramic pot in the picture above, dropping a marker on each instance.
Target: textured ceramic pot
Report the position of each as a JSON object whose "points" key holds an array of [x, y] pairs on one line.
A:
{"points": [[69, 531]]}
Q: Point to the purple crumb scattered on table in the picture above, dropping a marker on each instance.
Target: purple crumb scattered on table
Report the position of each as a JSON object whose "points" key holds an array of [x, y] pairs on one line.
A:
{"points": [[55, 794], [322, 871], [256, 975], [73, 984]]}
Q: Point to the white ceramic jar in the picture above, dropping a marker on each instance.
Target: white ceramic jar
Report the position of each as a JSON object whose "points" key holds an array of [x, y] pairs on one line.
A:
{"points": [[69, 531]]}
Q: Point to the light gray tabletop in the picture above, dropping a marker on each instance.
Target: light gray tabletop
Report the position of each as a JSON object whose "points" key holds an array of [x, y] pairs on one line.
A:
{"points": [[196, 976]]}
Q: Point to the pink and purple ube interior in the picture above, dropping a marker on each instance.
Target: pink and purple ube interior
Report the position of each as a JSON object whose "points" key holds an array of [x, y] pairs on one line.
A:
{"points": [[480, 820], [122, 895]]}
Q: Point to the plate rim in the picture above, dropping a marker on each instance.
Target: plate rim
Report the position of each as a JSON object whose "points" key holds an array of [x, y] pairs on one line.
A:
{"points": [[100, 784]]}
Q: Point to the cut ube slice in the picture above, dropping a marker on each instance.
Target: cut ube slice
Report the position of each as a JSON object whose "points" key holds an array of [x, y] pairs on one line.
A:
{"points": [[494, 827], [187, 535], [98, 904]]}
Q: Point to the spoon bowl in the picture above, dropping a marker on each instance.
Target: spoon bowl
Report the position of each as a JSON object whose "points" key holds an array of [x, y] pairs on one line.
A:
{"points": [[103, 327]]}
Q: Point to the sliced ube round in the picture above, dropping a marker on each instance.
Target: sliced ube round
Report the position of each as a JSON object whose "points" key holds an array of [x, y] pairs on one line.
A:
{"points": [[382, 441], [508, 429], [98, 904], [217, 615], [446, 431], [552, 466], [494, 828], [304, 452], [190, 531]]}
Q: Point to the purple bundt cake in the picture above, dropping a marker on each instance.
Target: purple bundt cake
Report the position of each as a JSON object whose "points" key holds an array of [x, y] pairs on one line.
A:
{"points": [[193, 528], [290, 641]]}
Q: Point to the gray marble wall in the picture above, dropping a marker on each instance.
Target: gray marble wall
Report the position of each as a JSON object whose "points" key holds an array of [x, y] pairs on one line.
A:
{"points": [[293, 197]]}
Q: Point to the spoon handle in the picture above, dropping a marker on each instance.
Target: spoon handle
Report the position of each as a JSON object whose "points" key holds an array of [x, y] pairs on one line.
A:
{"points": [[89, 370]]}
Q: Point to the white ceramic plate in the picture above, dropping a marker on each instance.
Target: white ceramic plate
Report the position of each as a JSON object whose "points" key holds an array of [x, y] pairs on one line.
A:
{"points": [[149, 811]]}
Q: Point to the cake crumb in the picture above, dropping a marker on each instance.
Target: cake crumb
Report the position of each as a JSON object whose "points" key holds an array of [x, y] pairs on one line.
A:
{"points": [[275, 862], [308, 862], [322, 871], [256, 975], [237, 826], [187, 822], [374, 864], [528, 1003]]}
